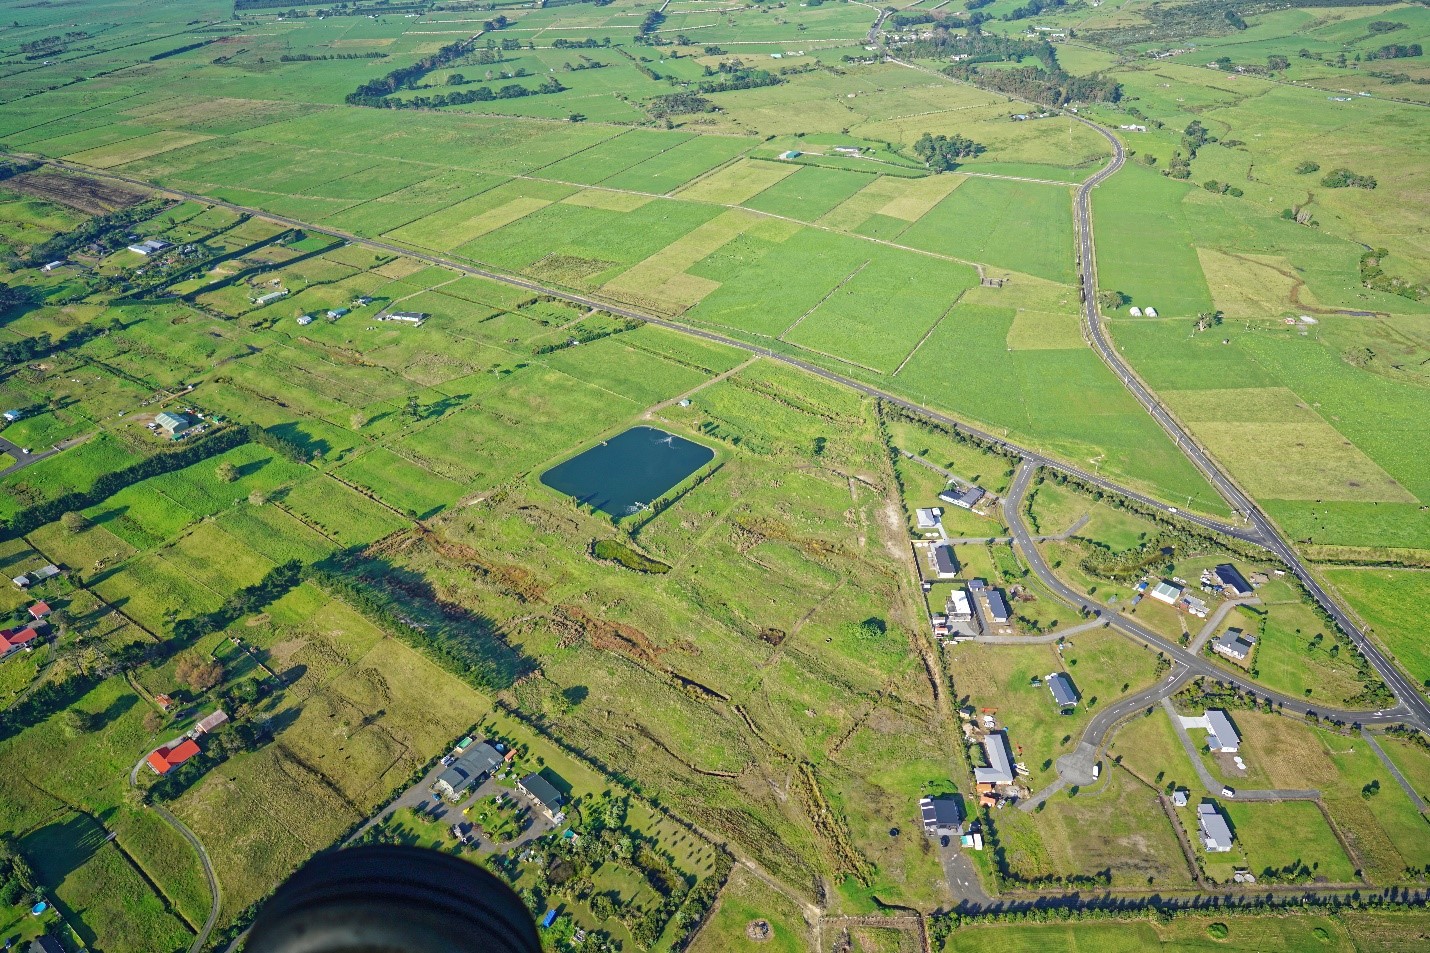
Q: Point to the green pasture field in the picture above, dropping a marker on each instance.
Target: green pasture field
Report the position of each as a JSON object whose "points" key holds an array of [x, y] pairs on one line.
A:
{"points": [[1100, 664], [1282, 933], [1015, 225], [1392, 602]]}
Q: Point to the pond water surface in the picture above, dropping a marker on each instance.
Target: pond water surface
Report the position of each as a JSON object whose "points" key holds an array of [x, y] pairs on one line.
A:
{"points": [[629, 471]]}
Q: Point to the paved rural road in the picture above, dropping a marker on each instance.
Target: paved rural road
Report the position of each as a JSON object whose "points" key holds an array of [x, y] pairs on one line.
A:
{"points": [[1267, 533], [202, 937], [23, 459], [1214, 786], [1262, 531], [1012, 515], [1245, 533]]}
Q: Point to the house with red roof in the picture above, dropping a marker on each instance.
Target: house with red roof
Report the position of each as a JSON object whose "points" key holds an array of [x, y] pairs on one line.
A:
{"points": [[39, 610], [12, 640], [165, 759]]}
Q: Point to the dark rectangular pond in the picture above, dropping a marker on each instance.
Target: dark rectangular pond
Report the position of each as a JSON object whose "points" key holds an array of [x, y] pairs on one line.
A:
{"points": [[629, 471]]}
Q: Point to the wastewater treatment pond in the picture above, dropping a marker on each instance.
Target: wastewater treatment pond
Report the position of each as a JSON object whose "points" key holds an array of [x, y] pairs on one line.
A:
{"points": [[629, 471]]}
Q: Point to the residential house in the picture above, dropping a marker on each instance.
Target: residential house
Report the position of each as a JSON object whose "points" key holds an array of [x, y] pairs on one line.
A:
{"points": [[960, 607], [39, 610], [13, 640], [1232, 582], [13, 415], [1221, 735], [942, 561], [998, 607], [1234, 644], [1000, 760], [1166, 592], [473, 767], [45, 943], [1215, 832], [942, 815], [1064, 694], [1180, 797], [304, 320], [165, 758], [928, 517], [336, 313], [150, 247], [967, 499], [544, 793], [209, 723], [173, 424]]}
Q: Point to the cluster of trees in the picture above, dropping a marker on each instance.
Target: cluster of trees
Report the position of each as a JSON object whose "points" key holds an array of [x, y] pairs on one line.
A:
{"points": [[17, 878], [191, 451], [49, 44], [41, 345], [1032, 8], [1169, 23], [1372, 275], [469, 655], [482, 94], [315, 57], [943, 152], [1395, 51], [651, 23], [91, 230], [1049, 87], [373, 92], [587, 44], [678, 104], [734, 74], [1345, 178], [1222, 188], [568, 867]]}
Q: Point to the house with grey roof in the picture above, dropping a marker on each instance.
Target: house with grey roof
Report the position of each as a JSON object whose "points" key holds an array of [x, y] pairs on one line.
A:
{"points": [[1215, 832], [998, 606], [544, 793], [475, 764], [1064, 694], [967, 499], [1221, 736], [944, 565], [1234, 644], [942, 815], [1000, 760]]}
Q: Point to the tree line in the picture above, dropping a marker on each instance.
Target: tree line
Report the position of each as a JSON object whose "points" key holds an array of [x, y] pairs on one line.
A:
{"points": [[943, 152]]}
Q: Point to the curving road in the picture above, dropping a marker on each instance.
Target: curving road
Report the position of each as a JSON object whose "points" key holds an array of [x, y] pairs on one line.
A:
{"points": [[1260, 529], [1267, 534], [1196, 664], [202, 937]]}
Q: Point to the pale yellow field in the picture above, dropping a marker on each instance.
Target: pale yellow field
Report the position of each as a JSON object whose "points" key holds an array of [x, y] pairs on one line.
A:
{"points": [[738, 182], [1253, 286], [662, 275], [140, 147], [608, 200]]}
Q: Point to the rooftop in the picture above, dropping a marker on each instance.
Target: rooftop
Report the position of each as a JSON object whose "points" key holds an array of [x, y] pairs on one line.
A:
{"points": [[1223, 736], [1216, 834], [1062, 688], [1000, 760]]}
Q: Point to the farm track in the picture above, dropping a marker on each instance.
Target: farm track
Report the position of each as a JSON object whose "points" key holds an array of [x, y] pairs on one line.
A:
{"points": [[201, 939]]}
